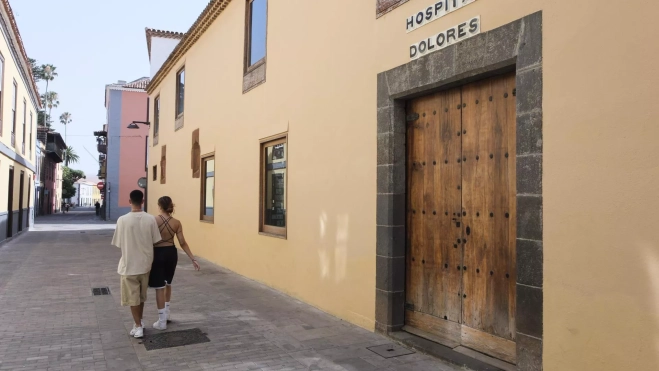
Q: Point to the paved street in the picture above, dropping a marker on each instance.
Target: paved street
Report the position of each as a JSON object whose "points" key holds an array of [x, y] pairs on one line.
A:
{"points": [[49, 319]]}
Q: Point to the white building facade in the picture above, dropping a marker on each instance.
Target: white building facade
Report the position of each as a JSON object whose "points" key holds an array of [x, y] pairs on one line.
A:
{"points": [[86, 194]]}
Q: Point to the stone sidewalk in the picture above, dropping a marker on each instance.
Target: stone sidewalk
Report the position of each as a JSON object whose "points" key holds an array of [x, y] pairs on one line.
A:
{"points": [[50, 321]]}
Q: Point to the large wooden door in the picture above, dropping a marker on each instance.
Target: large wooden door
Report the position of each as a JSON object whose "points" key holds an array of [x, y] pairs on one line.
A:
{"points": [[21, 184], [10, 204], [460, 287]]}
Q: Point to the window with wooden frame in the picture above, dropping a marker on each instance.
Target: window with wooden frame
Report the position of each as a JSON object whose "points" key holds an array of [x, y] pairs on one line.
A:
{"points": [[13, 114], [24, 126], [2, 88], [156, 119], [180, 92], [31, 132], [195, 155], [208, 188], [256, 26], [274, 169], [155, 172], [163, 164]]}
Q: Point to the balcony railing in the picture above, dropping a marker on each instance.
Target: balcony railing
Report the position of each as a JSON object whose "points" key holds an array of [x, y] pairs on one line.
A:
{"points": [[55, 149], [23, 148], [13, 140], [102, 148]]}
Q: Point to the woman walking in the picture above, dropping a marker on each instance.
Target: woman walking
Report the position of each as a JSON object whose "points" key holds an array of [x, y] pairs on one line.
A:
{"points": [[165, 258]]}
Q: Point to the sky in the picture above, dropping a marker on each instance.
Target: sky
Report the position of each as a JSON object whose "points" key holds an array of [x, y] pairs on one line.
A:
{"points": [[94, 43]]}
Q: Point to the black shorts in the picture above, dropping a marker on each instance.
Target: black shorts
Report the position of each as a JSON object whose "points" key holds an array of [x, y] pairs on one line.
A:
{"points": [[163, 267]]}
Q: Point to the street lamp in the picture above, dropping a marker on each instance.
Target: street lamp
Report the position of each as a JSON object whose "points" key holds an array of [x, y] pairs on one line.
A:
{"points": [[134, 125]]}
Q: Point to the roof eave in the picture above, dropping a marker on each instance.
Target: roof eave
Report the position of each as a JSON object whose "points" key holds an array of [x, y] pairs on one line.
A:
{"points": [[205, 19], [25, 65]]}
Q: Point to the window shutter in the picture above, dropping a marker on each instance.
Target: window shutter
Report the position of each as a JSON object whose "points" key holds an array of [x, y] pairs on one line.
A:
{"points": [[195, 155], [163, 164], [384, 6]]}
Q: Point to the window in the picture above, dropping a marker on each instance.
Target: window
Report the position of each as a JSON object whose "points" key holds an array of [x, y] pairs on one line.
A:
{"points": [[24, 125], [156, 119], [180, 92], [155, 172], [273, 186], [2, 79], [31, 128], [13, 114], [256, 31], [163, 164], [256, 27], [208, 189]]}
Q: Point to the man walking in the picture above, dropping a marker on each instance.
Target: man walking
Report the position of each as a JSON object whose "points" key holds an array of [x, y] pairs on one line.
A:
{"points": [[98, 208], [135, 235]]}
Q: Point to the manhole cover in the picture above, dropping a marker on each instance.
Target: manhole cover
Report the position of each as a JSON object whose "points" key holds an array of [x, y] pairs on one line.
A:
{"points": [[390, 350], [100, 291], [175, 339]]}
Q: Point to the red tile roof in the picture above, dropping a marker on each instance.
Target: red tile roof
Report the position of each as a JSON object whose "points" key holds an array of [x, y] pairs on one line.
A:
{"points": [[19, 40], [140, 83]]}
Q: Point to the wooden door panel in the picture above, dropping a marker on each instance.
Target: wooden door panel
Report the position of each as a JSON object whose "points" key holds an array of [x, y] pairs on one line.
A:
{"points": [[489, 344], [418, 246], [489, 206], [450, 195], [436, 329], [433, 281], [476, 196]]}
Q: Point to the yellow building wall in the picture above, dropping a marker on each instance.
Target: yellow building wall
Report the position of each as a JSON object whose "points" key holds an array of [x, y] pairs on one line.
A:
{"points": [[601, 253], [96, 194], [4, 185], [12, 74]]}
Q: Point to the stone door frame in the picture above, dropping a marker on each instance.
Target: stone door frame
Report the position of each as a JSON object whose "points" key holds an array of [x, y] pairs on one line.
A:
{"points": [[516, 46]]}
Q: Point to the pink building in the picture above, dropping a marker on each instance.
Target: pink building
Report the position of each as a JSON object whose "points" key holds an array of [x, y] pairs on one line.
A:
{"points": [[123, 150]]}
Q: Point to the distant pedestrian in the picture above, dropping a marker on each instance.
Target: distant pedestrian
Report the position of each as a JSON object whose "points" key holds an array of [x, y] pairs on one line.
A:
{"points": [[165, 258], [135, 235], [98, 207], [67, 207]]}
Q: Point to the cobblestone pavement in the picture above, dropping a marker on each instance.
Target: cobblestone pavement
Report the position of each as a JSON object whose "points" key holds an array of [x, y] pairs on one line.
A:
{"points": [[50, 321]]}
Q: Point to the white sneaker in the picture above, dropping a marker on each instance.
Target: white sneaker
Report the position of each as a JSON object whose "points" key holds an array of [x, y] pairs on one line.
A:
{"points": [[139, 332], [160, 326], [167, 314], [132, 332]]}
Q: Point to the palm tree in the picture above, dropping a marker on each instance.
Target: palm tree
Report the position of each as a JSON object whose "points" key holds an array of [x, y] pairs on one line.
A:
{"points": [[50, 100], [65, 119], [70, 156], [47, 73]]}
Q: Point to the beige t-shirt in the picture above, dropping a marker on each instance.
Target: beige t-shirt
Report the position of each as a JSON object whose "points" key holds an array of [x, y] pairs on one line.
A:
{"points": [[135, 235]]}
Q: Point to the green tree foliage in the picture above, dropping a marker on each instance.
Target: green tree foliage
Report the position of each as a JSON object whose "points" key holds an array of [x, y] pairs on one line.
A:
{"points": [[50, 100], [70, 176], [40, 119], [37, 71], [70, 156]]}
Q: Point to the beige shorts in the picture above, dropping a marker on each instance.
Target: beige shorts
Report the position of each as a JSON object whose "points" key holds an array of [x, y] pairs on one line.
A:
{"points": [[133, 289]]}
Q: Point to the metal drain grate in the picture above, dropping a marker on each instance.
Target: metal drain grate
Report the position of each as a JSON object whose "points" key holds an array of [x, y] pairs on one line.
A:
{"points": [[96, 291], [390, 350], [175, 339]]}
